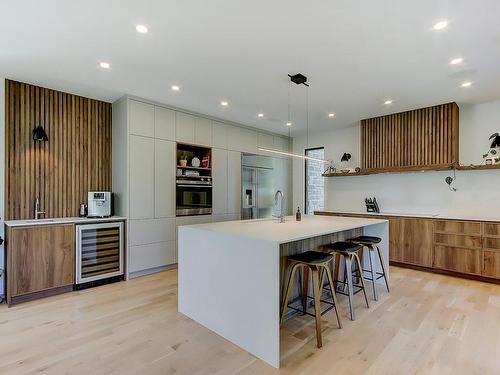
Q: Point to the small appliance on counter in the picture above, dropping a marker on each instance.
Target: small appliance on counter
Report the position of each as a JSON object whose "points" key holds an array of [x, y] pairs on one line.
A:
{"points": [[99, 204], [372, 205]]}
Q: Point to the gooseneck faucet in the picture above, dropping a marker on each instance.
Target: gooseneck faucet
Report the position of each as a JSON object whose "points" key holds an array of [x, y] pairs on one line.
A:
{"points": [[37, 209], [279, 197]]}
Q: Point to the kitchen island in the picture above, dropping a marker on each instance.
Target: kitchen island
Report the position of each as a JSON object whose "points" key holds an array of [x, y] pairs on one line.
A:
{"points": [[231, 273]]}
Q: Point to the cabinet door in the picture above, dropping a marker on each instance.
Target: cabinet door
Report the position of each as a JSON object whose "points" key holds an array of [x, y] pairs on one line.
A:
{"points": [[396, 240], [243, 140], [458, 259], [185, 127], [234, 182], [265, 140], [141, 177], [141, 118], [281, 143], [418, 235], [164, 123], [203, 131], [219, 135], [219, 170], [40, 258], [164, 163], [491, 266], [151, 256]]}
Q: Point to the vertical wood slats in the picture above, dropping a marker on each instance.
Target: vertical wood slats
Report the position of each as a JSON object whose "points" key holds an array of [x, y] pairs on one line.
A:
{"points": [[75, 160], [420, 138]]}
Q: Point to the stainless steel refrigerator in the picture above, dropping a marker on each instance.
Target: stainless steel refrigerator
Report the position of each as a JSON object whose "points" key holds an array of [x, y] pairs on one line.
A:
{"points": [[258, 187]]}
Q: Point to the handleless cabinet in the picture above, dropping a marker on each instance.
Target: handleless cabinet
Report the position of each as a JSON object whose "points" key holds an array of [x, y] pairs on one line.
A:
{"points": [[219, 135], [39, 259], [185, 127], [141, 177], [164, 123], [220, 185], [234, 182], [203, 132], [164, 177], [141, 118]]}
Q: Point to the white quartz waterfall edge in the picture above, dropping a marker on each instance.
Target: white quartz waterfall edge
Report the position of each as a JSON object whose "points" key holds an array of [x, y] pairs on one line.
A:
{"points": [[229, 276]]}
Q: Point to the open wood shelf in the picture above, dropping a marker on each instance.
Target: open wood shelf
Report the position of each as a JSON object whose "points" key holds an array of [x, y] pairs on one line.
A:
{"points": [[194, 168], [365, 172]]}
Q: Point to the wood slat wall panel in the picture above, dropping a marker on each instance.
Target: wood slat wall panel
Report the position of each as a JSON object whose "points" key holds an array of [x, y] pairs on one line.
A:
{"points": [[76, 159], [419, 138]]}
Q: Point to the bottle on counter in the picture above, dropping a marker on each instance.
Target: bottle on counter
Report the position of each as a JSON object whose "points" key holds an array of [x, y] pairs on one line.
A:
{"points": [[298, 214]]}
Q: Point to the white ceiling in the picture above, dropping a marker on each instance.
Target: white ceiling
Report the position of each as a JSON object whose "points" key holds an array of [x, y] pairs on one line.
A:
{"points": [[356, 54]]}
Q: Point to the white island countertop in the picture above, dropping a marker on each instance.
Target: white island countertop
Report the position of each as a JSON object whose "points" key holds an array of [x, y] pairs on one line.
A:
{"points": [[62, 220], [291, 230]]}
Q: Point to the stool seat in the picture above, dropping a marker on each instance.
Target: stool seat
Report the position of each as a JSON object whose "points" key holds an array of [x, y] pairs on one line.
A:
{"points": [[366, 240], [312, 257], [344, 246]]}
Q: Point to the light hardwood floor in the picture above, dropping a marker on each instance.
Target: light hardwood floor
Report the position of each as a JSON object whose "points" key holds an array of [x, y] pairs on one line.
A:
{"points": [[429, 324]]}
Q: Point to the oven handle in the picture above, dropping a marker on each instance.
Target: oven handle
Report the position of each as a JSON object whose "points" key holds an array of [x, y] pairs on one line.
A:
{"points": [[195, 185]]}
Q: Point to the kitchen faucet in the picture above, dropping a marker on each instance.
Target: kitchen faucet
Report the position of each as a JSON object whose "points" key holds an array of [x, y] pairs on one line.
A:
{"points": [[279, 197], [37, 209]]}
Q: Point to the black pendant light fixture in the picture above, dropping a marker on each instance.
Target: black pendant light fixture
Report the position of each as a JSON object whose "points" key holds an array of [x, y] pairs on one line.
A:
{"points": [[39, 134]]}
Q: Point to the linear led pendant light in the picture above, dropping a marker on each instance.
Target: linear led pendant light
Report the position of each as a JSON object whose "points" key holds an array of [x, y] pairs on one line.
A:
{"points": [[298, 79]]}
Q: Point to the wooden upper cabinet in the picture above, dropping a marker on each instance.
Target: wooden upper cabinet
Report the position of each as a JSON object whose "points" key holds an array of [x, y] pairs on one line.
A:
{"points": [[424, 138], [39, 258]]}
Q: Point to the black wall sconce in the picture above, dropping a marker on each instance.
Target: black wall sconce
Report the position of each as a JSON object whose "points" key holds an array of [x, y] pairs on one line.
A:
{"points": [[39, 134]]}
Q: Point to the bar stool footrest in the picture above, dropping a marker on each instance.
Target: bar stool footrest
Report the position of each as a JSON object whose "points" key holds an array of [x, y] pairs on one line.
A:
{"points": [[330, 304]]}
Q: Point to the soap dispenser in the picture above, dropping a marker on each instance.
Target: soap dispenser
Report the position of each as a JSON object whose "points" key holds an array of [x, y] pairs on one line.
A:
{"points": [[298, 214]]}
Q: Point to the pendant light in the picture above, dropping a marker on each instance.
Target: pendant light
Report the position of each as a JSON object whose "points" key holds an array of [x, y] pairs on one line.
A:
{"points": [[39, 134], [298, 79]]}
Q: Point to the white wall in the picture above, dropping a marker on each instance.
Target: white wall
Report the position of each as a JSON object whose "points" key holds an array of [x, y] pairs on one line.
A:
{"points": [[417, 192], [2, 172]]}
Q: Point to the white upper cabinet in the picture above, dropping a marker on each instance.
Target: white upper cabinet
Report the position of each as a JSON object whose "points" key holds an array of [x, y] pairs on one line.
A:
{"points": [[233, 182], [265, 140], [203, 131], [141, 161], [219, 174], [164, 178], [240, 139], [164, 123], [281, 143], [185, 127], [141, 118], [219, 135]]}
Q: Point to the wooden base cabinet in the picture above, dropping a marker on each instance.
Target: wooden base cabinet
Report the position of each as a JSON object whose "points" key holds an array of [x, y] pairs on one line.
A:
{"points": [[410, 241], [39, 259]]}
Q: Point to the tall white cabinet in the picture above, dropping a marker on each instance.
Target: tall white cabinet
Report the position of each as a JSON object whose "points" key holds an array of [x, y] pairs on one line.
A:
{"points": [[144, 170]]}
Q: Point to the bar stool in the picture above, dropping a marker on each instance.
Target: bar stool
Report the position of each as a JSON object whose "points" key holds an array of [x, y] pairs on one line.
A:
{"points": [[349, 252], [371, 243], [318, 262]]}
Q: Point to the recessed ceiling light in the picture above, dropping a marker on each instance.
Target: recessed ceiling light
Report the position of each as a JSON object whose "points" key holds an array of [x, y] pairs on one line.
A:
{"points": [[224, 103], [331, 115], [456, 61], [175, 88], [466, 84], [260, 115], [104, 65], [141, 29], [288, 123], [387, 102], [440, 25]]}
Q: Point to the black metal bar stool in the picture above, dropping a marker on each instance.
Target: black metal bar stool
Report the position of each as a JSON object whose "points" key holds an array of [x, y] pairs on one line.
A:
{"points": [[349, 252], [319, 264], [371, 243]]}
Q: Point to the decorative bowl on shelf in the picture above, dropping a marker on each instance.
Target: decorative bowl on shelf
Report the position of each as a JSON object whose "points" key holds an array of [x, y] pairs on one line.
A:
{"points": [[195, 162]]}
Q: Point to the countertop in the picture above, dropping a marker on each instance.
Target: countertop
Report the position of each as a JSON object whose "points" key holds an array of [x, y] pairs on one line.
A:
{"points": [[291, 230], [62, 220], [416, 215]]}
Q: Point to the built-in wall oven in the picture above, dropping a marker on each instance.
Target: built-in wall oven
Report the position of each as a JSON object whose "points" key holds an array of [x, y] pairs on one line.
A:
{"points": [[193, 196], [99, 251]]}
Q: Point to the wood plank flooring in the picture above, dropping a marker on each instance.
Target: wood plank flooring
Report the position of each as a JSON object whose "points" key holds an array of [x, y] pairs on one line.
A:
{"points": [[429, 324]]}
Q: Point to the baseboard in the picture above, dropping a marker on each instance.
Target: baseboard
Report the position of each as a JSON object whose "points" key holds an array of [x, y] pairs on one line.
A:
{"points": [[447, 273], [151, 271]]}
